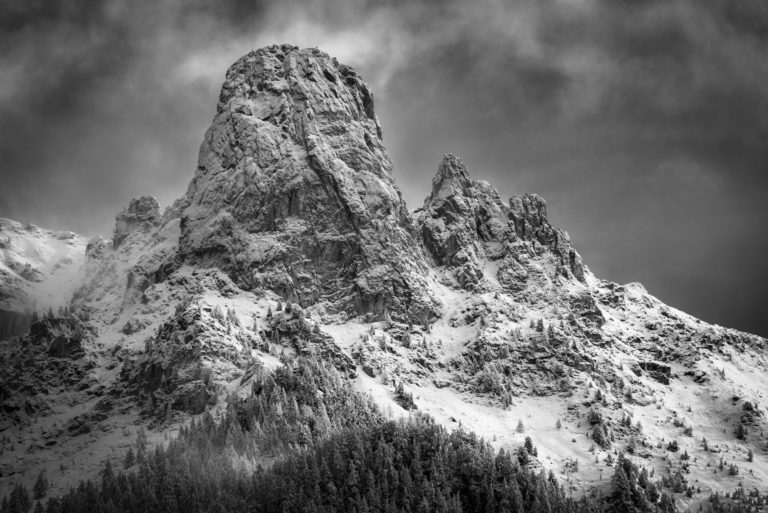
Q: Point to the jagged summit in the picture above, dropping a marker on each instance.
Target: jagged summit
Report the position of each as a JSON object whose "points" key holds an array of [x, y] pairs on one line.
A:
{"points": [[294, 190], [464, 221], [452, 174]]}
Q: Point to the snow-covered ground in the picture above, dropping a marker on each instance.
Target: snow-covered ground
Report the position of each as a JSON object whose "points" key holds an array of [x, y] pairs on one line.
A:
{"points": [[39, 268]]}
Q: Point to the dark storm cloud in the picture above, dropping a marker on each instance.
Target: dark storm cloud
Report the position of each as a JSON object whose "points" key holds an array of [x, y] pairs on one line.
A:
{"points": [[642, 122], [90, 111]]}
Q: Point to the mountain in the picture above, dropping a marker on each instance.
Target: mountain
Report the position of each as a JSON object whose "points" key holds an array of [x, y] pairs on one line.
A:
{"points": [[293, 244]]}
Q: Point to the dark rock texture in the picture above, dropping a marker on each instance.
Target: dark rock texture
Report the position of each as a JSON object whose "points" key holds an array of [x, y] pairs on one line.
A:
{"points": [[34, 369], [658, 371], [170, 374], [60, 337]]}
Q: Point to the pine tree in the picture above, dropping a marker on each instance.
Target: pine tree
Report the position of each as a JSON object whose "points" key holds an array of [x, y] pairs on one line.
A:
{"points": [[407, 340], [218, 314], [108, 480], [141, 445], [232, 317], [130, 458], [600, 437], [40, 489], [667, 504], [622, 496], [523, 456], [529, 447], [18, 501]]}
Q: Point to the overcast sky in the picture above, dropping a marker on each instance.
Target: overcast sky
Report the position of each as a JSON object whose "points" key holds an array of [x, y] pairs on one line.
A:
{"points": [[644, 124]]}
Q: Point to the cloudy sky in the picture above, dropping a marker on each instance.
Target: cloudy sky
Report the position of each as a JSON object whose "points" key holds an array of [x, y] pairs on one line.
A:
{"points": [[644, 123]]}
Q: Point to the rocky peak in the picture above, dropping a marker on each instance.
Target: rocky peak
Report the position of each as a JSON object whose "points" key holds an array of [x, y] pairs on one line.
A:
{"points": [[142, 212], [307, 94], [464, 221], [528, 215], [451, 178], [294, 190]]}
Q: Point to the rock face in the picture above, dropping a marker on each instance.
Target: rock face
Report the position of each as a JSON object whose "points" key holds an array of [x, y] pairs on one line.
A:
{"points": [[294, 190], [141, 213], [461, 219], [49, 360], [61, 337], [465, 219], [528, 213]]}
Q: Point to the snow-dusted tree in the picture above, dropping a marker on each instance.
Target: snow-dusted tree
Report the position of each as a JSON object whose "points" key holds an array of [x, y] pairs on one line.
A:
{"points": [[40, 489], [530, 447], [741, 431], [232, 317]]}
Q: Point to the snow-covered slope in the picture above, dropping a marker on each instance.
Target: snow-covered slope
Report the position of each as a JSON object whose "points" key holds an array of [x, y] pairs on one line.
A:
{"points": [[39, 270], [293, 240]]}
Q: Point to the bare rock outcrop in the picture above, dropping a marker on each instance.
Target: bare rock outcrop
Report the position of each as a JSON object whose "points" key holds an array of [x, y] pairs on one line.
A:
{"points": [[465, 221], [294, 190], [141, 213]]}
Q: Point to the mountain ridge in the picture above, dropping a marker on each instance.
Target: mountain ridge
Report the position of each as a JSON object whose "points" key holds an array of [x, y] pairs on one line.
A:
{"points": [[292, 240]]}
